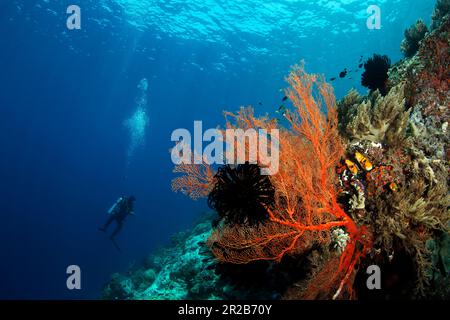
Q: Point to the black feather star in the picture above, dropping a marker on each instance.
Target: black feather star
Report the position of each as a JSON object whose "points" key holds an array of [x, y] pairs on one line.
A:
{"points": [[241, 194], [375, 75]]}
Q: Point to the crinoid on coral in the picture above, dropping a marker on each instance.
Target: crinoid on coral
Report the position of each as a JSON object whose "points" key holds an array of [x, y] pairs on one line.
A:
{"points": [[375, 73], [376, 194], [305, 210], [441, 9], [241, 195], [413, 36]]}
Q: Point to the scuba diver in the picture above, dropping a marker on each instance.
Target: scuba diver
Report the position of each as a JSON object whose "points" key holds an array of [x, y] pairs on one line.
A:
{"points": [[118, 212]]}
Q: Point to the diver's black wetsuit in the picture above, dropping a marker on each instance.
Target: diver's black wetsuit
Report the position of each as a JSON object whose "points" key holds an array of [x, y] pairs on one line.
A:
{"points": [[119, 217], [122, 209]]}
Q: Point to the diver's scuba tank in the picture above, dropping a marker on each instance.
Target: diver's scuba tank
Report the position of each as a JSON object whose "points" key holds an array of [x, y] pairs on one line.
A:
{"points": [[114, 206]]}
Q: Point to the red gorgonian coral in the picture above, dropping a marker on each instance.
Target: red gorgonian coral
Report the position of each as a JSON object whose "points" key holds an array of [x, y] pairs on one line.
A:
{"points": [[305, 209]]}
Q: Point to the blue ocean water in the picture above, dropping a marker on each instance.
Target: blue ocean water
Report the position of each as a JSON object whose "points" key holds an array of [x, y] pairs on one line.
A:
{"points": [[86, 115]]}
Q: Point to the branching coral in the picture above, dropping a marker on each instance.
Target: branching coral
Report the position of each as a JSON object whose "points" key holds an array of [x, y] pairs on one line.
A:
{"points": [[413, 36]]}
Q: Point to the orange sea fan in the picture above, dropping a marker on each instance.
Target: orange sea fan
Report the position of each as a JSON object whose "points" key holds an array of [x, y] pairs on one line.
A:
{"points": [[196, 182], [306, 208]]}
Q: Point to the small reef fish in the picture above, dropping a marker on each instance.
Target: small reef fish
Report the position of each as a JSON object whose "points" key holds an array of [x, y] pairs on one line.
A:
{"points": [[363, 161], [284, 98], [393, 186], [281, 109], [351, 166], [344, 72]]}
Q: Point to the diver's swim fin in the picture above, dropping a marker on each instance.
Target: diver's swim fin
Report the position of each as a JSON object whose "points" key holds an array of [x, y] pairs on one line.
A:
{"points": [[115, 244]]}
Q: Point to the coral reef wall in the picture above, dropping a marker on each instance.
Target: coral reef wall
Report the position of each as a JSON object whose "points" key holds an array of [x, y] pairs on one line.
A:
{"points": [[364, 183], [404, 134]]}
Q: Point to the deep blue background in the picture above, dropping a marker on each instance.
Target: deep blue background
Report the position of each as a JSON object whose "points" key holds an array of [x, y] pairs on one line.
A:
{"points": [[63, 98]]}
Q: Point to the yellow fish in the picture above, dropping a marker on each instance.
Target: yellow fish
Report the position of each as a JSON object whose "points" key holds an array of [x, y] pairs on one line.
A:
{"points": [[393, 186], [352, 167], [363, 161]]}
